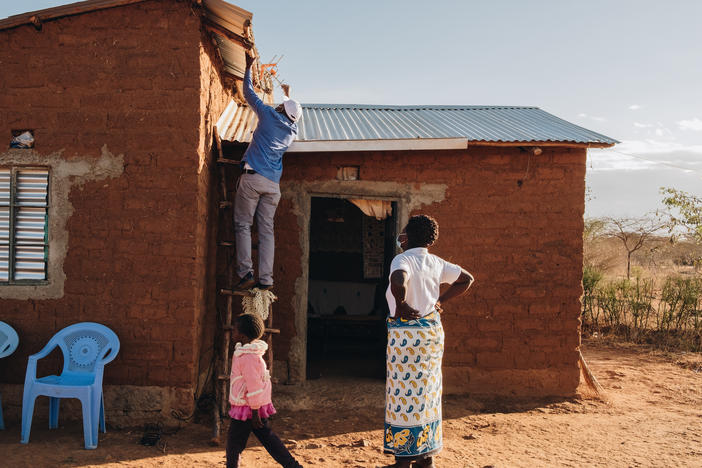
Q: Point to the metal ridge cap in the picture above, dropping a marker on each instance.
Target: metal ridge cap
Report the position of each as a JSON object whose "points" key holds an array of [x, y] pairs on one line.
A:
{"points": [[412, 107]]}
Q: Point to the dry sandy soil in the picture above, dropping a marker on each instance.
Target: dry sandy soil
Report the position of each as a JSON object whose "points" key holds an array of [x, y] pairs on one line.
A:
{"points": [[652, 416]]}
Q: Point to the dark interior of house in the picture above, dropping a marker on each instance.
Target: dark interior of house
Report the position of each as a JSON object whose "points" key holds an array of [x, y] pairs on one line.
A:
{"points": [[350, 254]]}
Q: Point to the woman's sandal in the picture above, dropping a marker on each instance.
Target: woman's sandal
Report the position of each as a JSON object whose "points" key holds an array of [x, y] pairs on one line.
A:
{"points": [[425, 463], [398, 465]]}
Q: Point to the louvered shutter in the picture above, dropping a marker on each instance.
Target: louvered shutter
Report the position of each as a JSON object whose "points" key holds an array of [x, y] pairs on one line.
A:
{"points": [[5, 178], [31, 224]]}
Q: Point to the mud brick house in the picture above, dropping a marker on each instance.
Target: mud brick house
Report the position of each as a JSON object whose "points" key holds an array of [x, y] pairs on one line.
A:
{"points": [[506, 185], [111, 216], [121, 97]]}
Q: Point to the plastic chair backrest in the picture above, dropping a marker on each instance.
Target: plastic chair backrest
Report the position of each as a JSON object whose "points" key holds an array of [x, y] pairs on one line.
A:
{"points": [[85, 345], [8, 340]]}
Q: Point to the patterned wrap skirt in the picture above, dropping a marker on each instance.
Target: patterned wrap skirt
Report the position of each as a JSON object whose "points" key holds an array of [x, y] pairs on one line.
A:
{"points": [[413, 386]]}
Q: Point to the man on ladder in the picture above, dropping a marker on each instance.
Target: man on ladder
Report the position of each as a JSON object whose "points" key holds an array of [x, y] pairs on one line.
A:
{"points": [[258, 190]]}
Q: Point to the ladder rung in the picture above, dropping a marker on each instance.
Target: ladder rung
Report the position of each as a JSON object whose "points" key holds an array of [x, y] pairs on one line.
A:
{"points": [[228, 161], [226, 377], [235, 292], [272, 331], [225, 204]]}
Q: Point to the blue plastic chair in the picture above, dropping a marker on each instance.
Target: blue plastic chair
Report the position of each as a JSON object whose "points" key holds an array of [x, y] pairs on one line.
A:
{"points": [[86, 347], [8, 344]]}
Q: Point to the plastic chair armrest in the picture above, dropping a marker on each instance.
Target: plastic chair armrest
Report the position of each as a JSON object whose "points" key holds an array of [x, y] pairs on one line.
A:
{"points": [[44, 352], [110, 356], [32, 360]]}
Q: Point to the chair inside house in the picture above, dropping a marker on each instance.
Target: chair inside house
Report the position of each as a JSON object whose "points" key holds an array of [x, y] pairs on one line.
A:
{"points": [[86, 348], [8, 344]]}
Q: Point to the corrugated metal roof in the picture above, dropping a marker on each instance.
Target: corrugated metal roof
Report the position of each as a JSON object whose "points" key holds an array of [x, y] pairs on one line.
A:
{"points": [[476, 124], [235, 36], [230, 25]]}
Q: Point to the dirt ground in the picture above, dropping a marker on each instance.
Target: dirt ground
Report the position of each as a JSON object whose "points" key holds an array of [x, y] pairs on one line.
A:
{"points": [[651, 416]]}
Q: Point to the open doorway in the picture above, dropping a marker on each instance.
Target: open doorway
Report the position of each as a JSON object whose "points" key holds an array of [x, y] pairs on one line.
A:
{"points": [[350, 255]]}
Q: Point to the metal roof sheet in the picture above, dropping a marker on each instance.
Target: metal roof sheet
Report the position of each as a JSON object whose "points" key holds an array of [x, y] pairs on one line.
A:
{"points": [[233, 34], [476, 124]]}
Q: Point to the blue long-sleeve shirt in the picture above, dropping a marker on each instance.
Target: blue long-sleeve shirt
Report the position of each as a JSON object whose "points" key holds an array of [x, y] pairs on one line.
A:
{"points": [[274, 133]]}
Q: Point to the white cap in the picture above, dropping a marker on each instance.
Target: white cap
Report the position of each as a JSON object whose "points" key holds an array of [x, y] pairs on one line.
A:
{"points": [[292, 108]]}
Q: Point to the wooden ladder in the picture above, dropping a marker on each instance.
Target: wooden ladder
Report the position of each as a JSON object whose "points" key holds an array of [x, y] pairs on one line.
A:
{"points": [[229, 171]]}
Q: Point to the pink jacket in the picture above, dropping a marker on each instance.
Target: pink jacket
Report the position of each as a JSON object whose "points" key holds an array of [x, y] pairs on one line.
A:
{"points": [[249, 382]]}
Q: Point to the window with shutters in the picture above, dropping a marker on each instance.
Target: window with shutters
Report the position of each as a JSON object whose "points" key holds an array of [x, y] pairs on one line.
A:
{"points": [[24, 225]]}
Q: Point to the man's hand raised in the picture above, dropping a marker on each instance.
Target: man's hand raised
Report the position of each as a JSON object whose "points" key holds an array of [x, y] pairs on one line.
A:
{"points": [[249, 58]]}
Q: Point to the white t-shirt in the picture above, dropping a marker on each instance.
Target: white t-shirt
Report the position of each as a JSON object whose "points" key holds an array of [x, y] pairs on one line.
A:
{"points": [[426, 272]]}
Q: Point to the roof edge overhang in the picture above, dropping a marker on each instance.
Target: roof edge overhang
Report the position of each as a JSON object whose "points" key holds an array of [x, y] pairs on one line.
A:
{"points": [[560, 144], [419, 144], [316, 146]]}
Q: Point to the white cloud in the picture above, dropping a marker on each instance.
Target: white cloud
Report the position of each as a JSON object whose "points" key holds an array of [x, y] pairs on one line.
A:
{"points": [[643, 147], [612, 160], [657, 129], [635, 107], [694, 124], [591, 117], [647, 155]]}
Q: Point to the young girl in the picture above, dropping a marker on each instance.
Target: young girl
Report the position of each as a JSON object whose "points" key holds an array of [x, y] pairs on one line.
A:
{"points": [[250, 395]]}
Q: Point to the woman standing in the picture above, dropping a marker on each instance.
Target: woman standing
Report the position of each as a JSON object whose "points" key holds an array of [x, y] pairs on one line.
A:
{"points": [[416, 344]]}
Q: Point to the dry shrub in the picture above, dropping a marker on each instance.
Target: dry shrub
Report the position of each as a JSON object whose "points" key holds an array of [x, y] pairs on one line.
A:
{"points": [[669, 317]]}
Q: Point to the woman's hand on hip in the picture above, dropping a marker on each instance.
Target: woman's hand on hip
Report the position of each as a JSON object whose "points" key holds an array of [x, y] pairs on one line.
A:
{"points": [[406, 311]]}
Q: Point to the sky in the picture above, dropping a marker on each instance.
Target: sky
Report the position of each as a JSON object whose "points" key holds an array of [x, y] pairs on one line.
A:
{"points": [[630, 69]]}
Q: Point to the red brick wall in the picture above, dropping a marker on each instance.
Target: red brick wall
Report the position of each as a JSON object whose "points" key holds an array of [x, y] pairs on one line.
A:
{"points": [[214, 97], [517, 331], [128, 78]]}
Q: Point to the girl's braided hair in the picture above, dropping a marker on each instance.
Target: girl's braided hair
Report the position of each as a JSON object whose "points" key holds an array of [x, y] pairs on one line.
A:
{"points": [[250, 326]]}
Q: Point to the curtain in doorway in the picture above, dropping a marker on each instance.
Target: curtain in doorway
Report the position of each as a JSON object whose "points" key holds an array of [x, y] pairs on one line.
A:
{"points": [[378, 209]]}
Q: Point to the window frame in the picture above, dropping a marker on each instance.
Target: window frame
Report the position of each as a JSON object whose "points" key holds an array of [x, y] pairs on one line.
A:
{"points": [[13, 208]]}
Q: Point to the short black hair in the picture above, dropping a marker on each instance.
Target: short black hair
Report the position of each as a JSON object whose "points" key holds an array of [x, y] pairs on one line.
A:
{"points": [[250, 326], [422, 230]]}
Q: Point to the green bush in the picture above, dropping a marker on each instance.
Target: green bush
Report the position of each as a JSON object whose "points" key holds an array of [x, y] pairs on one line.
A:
{"points": [[681, 301], [591, 278], [635, 310]]}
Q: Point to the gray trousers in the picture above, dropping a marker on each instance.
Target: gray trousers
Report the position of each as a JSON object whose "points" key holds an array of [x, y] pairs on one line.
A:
{"points": [[255, 195]]}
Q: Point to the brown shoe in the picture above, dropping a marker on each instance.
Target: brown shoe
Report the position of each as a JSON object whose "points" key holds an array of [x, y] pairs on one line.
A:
{"points": [[245, 283]]}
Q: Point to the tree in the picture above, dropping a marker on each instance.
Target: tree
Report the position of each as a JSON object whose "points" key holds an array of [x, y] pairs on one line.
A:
{"points": [[634, 233], [593, 228], [686, 212]]}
